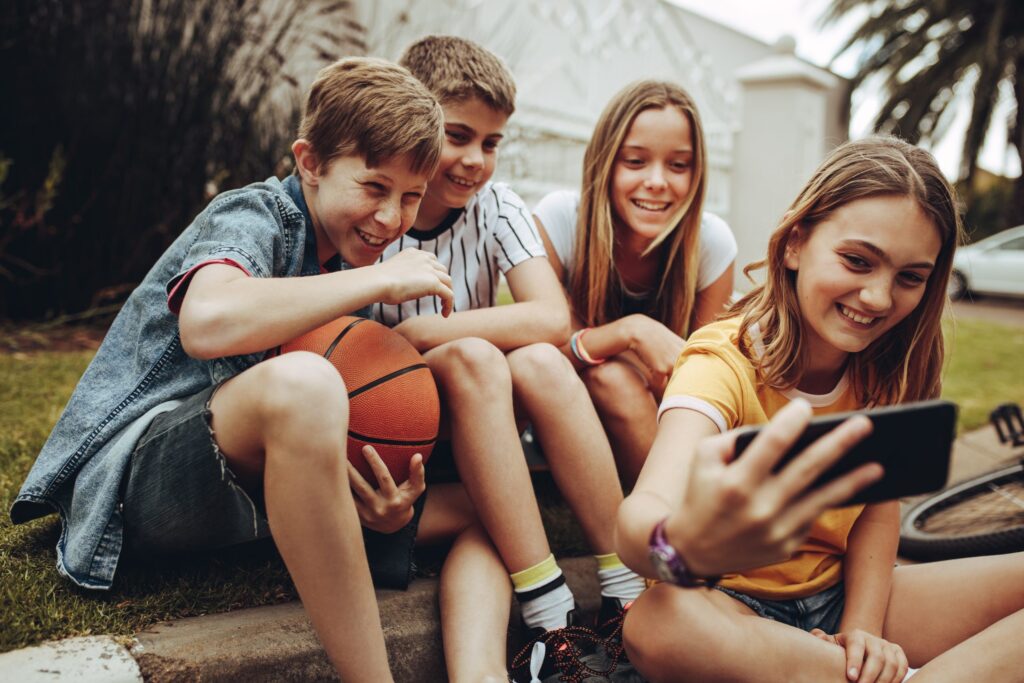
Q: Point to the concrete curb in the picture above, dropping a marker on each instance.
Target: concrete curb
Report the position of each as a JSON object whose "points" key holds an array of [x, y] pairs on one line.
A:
{"points": [[277, 643]]}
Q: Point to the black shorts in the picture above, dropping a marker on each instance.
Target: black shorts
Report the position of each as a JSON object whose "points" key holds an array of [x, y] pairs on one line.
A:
{"points": [[181, 496]]}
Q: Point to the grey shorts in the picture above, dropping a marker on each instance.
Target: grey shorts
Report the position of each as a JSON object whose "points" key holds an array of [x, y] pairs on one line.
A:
{"points": [[822, 610], [180, 496]]}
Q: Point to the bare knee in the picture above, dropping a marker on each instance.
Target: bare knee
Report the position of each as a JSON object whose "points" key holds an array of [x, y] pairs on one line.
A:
{"points": [[470, 365], [303, 409], [617, 390], [301, 383], [653, 630], [540, 365]]}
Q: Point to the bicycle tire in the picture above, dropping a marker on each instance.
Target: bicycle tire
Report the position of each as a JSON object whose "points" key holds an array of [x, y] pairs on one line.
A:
{"points": [[991, 507]]}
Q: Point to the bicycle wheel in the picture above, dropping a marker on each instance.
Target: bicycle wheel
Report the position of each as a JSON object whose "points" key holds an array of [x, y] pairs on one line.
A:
{"points": [[981, 516]]}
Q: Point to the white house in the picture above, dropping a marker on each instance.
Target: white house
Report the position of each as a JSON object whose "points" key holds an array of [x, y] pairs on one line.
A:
{"points": [[769, 116]]}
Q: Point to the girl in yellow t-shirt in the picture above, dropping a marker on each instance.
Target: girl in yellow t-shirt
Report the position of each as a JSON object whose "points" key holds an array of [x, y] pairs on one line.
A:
{"points": [[848, 317]]}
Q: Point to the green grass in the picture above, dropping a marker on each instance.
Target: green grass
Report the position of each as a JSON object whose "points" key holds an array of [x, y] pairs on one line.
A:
{"points": [[36, 604], [985, 368]]}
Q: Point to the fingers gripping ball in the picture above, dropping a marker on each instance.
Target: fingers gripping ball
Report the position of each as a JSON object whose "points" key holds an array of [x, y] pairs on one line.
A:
{"points": [[393, 402]]}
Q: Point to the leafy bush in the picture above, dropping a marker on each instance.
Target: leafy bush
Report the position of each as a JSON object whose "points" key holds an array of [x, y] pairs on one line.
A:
{"points": [[121, 118]]}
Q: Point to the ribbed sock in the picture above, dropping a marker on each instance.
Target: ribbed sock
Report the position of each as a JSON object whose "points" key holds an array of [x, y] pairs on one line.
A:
{"points": [[544, 598], [618, 580]]}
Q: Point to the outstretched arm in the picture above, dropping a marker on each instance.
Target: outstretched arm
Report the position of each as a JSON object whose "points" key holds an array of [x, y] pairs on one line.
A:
{"points": [[724, 514], [227, 313]]}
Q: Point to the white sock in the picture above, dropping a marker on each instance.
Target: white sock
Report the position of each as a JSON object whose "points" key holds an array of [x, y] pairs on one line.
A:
{"points": [[546, 604], [620, 582]]}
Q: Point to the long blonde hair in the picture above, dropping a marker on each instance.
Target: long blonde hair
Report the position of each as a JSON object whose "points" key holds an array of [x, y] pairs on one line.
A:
{"points": [[596, 286], [905, 363]]}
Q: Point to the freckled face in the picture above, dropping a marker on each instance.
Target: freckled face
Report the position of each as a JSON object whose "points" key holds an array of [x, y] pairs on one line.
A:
{"points": [[653, 171], [861, 272], [357, 211], [472, 131]]}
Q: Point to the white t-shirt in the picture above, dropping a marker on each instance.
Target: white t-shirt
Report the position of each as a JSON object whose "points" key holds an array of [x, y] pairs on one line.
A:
{"points": [[558, 212], [493, 233]]}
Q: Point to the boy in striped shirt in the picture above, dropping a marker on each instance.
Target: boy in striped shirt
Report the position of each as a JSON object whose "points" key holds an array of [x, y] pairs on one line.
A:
{"points": [[499, 367]]}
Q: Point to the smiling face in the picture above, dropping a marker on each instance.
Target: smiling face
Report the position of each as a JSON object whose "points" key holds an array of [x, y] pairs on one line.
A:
{"points": [[653, 173], [859, 273], [357, 211], [472, 131]]}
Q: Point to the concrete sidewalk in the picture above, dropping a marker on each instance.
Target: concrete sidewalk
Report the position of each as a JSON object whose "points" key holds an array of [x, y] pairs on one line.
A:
{"points": [[278, 644]]}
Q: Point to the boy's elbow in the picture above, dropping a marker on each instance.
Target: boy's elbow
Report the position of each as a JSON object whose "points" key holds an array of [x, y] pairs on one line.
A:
{"points": [[198, 330]]}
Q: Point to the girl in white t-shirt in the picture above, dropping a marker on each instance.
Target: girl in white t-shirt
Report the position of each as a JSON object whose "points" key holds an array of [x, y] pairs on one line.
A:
{"points": [[642, 264]]}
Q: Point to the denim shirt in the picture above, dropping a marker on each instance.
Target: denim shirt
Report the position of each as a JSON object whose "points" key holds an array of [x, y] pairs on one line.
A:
{"points": [[141, 369]]}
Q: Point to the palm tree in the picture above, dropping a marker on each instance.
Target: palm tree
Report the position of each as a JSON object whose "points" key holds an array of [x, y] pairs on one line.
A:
{"points": [[926, 52]]}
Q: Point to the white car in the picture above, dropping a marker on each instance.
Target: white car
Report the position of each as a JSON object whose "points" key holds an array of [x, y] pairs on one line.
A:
{"points": [[994, 265]]}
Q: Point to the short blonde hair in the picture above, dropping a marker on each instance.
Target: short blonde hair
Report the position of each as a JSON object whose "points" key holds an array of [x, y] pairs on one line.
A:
{"points": [[904, 364], [595, 285], [456, 69], [376, 109]]}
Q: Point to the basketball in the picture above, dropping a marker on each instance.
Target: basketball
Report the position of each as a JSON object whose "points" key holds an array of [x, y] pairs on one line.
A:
{"points": [[393, 402]]}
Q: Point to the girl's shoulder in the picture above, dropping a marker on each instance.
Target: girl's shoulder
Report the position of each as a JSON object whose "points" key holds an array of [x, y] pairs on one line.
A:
{"points": [[718, 338], [558, 206], [715, 230]]}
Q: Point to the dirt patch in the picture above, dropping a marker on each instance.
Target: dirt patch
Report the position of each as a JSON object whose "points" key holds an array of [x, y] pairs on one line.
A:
{"points": [[30, 337], [157, 669]]}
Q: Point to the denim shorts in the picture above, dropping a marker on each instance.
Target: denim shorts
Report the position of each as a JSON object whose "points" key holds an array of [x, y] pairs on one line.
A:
{"points": [[822, 610], [180, 496]]}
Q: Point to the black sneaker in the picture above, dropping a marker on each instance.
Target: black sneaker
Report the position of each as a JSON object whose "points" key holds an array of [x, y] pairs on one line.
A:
{"points": [[562, 655], [609, 627]]}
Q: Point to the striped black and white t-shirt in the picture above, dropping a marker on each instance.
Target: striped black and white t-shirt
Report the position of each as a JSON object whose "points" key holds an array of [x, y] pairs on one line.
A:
{"points": [[491, 235]]}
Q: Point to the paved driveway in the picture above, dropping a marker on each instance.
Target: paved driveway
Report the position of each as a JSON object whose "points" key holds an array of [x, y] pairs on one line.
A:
{"points": [[1007, 311]]}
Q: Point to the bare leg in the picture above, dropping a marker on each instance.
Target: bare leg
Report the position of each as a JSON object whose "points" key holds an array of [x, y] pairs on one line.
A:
{"points": [[569, 431], [476, 390], [944, 611], [992, 655], [475, 590], [676, 634], [628, 412], [284, 422]]}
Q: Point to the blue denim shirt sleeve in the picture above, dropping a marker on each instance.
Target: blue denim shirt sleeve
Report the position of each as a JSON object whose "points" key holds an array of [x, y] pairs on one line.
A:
{"points": [[243, 227]]}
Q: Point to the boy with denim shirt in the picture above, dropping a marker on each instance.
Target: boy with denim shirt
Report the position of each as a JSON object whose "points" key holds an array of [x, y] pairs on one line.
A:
{"points": [[178, 437], [494, 365]]}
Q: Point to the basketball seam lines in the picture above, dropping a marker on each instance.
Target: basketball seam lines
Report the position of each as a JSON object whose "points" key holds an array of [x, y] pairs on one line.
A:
{"points": [[388, 442], [386, 378], [337, 340]]}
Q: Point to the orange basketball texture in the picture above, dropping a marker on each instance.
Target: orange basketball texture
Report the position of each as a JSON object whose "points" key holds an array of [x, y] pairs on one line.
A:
{"points": [[393, 402]]}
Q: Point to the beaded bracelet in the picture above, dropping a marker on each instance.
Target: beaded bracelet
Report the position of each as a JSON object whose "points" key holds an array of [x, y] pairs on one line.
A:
{"points": [[576, 344]]}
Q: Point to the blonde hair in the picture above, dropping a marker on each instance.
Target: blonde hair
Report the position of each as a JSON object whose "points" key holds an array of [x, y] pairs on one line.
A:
{"points": [[597, 289], [456, 69], [905, 363], [374, 108]]}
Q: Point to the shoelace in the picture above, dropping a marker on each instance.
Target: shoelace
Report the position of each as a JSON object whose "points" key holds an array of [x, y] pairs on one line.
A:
{"points": [[566, 655]]}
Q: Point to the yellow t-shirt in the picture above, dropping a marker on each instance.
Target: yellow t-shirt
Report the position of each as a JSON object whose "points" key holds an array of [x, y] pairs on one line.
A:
{"points": [[715, 379]]}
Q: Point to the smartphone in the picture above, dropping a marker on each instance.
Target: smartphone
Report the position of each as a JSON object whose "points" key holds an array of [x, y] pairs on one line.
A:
{"points": [[912, 441]]}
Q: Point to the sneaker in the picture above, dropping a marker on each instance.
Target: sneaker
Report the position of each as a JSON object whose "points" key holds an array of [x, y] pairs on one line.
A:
{"points": [[609, 627], [612, 670], [561, 656]]}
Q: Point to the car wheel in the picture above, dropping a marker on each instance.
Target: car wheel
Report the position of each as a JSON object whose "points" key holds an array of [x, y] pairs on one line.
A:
{"points": [[957, 288]]}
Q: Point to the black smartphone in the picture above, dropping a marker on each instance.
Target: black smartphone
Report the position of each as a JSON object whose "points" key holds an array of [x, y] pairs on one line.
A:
{"points": [[912, 441]]}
